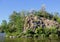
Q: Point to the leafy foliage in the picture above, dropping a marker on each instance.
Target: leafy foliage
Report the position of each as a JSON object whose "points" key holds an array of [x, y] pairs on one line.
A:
{"points": [[15, 25]]}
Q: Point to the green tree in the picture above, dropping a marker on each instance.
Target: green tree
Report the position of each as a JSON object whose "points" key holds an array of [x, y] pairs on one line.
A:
{"points": [[4, 25], [17, 21]]}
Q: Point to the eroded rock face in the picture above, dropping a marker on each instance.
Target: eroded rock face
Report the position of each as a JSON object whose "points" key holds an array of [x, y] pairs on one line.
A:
{"points": [[33, 22]]}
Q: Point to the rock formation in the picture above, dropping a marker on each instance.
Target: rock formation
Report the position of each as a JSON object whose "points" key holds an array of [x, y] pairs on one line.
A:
{"points": [[33, 22]]}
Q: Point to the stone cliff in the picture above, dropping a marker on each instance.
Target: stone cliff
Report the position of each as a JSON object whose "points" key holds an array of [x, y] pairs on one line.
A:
{"points": [[33, 22]]}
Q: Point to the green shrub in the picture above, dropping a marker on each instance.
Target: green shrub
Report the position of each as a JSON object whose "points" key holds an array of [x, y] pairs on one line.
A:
{"points": [[53, 30], [42, 36], [53, 36], [39, 30]]}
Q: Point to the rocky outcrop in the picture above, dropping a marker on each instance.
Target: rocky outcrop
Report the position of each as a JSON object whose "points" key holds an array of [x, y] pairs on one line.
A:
{"points": [[33, 22]]}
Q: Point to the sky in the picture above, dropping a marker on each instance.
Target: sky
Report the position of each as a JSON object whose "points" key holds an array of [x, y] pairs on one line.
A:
{"points": [[8, 6]]}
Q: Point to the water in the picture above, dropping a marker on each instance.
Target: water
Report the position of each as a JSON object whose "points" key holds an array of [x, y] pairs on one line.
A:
{"points": [[3, 39], [31, 40]]}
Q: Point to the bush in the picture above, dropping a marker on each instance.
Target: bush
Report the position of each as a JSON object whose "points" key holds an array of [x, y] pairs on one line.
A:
{"points": [[53, 30], [53, 36], [58, 20], [46, 32], [39, 30], [42, 36], [36, 35], [29, 33]]}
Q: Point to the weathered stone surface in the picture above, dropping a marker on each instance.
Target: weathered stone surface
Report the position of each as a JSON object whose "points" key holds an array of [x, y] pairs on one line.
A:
{"points": [[33, 22]]}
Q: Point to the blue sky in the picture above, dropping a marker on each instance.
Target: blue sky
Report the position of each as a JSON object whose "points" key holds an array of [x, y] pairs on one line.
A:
{"points": [[8, 6]]}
